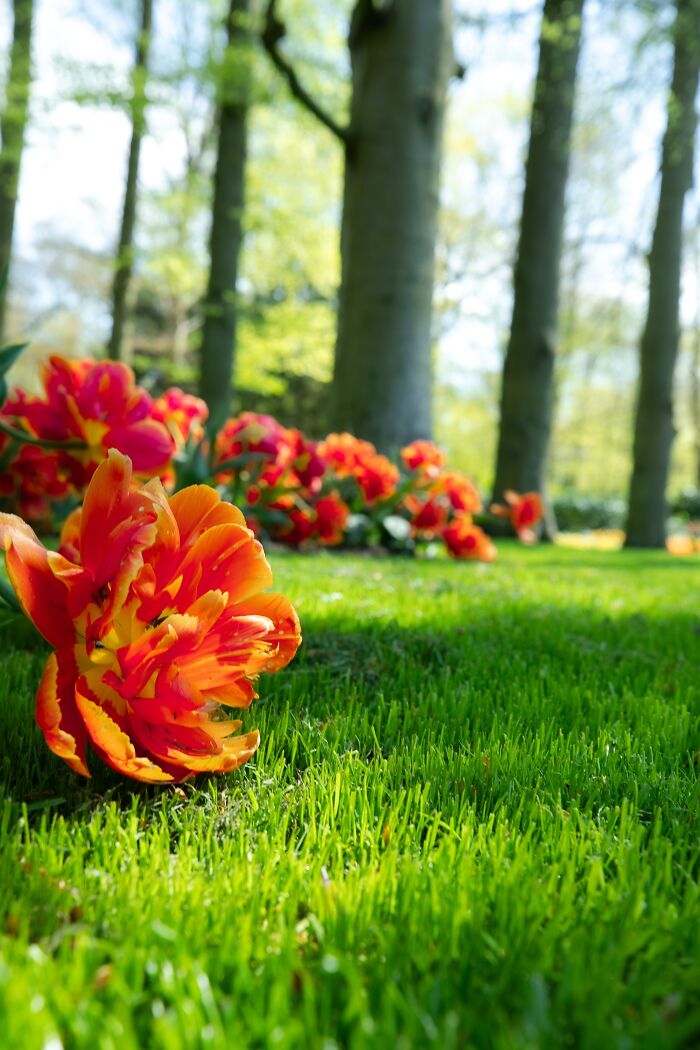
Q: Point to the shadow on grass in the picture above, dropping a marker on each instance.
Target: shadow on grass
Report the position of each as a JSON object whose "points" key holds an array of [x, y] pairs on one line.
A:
{"points": [[564, 667]]}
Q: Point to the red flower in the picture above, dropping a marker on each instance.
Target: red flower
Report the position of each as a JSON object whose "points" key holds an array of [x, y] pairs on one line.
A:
{"points": [[250, 432], [463, 539], [98, 403], [156, 611], [31, 481], [298, 528], [427, 516], [307, 465], [524, 513], [331, 517]]}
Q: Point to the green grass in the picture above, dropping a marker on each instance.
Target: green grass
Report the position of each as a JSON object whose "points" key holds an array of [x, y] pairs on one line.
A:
{"points": [[473, 821]]}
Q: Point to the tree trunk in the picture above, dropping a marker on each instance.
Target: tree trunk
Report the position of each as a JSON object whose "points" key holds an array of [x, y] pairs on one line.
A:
{"points": [[13, 122], [220, 306], [654, 429], [527, 384], [125, 249], [401, 60]]}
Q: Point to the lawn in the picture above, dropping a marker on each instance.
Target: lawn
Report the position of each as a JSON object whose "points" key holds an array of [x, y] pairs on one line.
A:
{"points": [[473, 821]]}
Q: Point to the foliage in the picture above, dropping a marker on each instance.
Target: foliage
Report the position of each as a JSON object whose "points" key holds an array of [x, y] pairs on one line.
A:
{"points": [[472, 822], [576, 513], [686, 504]]}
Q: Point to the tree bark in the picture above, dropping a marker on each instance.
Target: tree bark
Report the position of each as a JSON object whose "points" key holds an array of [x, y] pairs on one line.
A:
{"points": [[125, 249], [401, 58], [527, 388], [13, 122], [654, 429], [220, 306]]}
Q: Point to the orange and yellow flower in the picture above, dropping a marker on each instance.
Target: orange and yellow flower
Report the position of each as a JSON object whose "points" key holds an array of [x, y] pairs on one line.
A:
{"points": [[463, 539], [424, 457], [183, 414], [524, 513], [459, 490], [348, 456], [157, 612]]}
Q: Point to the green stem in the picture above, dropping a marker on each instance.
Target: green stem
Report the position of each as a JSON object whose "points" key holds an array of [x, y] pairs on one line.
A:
{"points": [[8, 595], [29, 439]]}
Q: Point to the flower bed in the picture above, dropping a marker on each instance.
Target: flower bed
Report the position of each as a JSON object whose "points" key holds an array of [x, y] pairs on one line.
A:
{"points": [[298, 492]]}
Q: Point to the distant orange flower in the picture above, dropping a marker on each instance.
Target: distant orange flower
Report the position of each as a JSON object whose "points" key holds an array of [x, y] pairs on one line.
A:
{"points": [[98, 403], [423, 457], [524, 513], [344, 452], [463, 539], [461, 492], [348, 456], [156, 611]]}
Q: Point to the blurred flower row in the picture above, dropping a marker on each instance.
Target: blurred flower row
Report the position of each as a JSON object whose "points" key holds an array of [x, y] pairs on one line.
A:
{"points": [[293, 490]]}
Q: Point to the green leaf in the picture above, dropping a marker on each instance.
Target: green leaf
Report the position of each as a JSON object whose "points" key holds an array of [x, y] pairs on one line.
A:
{"points": [[8, 595], [244, 460], [8, 356]]}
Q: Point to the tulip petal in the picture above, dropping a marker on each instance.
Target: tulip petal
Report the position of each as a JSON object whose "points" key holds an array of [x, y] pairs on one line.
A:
{"points": [[221, 756], [42, 595], [199, 507], [147, 443], [56, 713], [226, 558], [112, 743], [286, 632]]}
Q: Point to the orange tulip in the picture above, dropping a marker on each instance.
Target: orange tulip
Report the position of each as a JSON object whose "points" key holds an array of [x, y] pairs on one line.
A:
{"points": [[524, 513], [348, 456], [424, 457], [463, 539], [156, 611]]}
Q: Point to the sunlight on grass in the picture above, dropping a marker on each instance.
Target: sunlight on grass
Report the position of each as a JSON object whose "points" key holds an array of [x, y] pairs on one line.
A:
{"points": [[473, 819]]}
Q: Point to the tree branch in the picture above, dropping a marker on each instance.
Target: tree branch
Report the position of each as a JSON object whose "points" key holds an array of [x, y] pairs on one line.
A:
{"points": [[273, 31]]}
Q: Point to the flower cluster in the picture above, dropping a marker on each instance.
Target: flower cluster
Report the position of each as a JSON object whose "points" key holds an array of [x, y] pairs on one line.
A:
{"points": [[296, 491]]}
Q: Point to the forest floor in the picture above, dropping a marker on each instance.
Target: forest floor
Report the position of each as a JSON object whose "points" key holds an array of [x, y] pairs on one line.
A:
{"points": [[473, 821]]}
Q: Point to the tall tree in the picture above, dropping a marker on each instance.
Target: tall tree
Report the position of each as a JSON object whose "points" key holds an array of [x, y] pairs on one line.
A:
{"points": [[220, 309], [654, 430], [401, 57], [527, 382], [13, 121], [125, 248]]}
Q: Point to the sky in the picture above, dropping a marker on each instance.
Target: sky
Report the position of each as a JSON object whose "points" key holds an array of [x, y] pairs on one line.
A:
{"points": [[73, 167]]}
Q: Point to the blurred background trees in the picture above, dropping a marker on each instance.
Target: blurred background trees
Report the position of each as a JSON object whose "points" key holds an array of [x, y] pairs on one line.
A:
{"points": [[409, 256]]}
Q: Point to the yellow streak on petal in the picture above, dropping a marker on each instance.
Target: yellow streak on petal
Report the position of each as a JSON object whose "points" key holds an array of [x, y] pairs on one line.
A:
{"points": [[49, 717]]}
